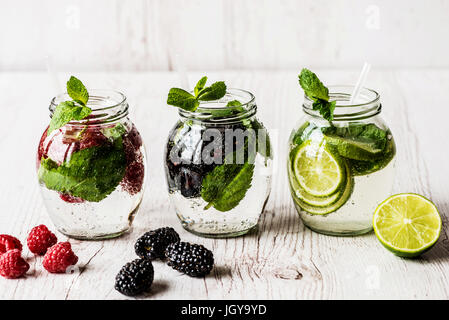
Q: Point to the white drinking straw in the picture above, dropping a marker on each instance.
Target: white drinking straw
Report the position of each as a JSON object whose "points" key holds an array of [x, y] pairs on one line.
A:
{"points": [[360, 82], [180, 67], [53, 75]]}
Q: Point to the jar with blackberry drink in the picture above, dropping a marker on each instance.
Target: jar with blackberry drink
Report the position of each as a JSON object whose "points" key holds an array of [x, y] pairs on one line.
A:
{"points": [[218, 160], [341, 158], [91, 163]]}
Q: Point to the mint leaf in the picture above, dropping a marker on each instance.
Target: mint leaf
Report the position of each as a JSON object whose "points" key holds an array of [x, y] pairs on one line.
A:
{"points": [[185, 100], [316, 91], [312, 86], [325, 108], [180, 98], [366, 133], [200, 85], [65, 112], [91, 174], [77, 91], [234, 108], [115, 132], [261, 130], [234, 103], [216, 91], [226, 185]]}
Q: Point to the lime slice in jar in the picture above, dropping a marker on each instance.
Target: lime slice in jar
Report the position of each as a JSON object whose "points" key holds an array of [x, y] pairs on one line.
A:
{"points": [[342, 196], [318, 172], [407, 224]]}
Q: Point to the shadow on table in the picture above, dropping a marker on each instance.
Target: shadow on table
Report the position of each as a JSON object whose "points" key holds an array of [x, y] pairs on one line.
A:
{"points": [[158, 287], [220, 272], [277, 221]]}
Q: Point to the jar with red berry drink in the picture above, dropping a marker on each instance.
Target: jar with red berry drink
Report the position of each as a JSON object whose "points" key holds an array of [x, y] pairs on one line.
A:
{"points": [[91, 171]]}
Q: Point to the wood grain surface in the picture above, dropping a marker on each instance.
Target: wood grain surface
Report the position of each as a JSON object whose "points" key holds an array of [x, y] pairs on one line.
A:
{"points": [[280, 260]]}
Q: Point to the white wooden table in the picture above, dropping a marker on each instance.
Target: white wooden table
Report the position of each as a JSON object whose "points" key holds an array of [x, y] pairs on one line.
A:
{"points": [[283, 259]]}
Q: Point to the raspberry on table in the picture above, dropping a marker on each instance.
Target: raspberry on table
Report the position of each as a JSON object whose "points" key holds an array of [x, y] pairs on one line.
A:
{"points": [[8, 242], [59, 257], [40, 239], [12, 265]]}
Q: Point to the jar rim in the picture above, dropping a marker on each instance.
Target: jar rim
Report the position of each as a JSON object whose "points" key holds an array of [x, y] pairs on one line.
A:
{"points": [[97, 94], [107, 106], [206, 109], [370, 107], [364, 90]]}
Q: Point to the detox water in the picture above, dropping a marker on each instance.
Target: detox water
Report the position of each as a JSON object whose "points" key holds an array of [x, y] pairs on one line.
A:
{"points": [[341, 159]]}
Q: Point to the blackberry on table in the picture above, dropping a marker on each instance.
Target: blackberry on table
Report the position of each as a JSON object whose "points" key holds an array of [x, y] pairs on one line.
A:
{"points": [[192, 259], [135, 277], [151, 245]]}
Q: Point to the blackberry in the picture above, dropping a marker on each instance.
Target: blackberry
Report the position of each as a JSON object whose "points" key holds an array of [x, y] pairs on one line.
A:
{"points": [[151, 245], [135, 277], [191, 259]]}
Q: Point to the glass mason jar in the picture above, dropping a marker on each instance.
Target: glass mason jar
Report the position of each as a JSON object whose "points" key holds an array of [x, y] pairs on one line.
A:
{"points": [[218, 164], [92, 172], [340, 171]]}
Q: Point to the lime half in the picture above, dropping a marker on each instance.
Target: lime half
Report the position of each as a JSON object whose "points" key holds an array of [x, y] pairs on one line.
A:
{"points": [[317, 171], [407, 224]]}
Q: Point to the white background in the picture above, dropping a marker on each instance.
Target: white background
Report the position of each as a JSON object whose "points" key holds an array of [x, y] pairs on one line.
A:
{"points": [[145, 35]]}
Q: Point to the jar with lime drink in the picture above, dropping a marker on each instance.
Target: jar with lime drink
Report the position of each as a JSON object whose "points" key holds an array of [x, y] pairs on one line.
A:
{"points": [[341, 158]]}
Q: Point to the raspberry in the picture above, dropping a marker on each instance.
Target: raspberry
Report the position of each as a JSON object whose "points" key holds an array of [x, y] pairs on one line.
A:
{"points": [[135, 138], [70, 199], [12, 265], [92, 137], [8, 242], [59, 257], [40, 239], [135, 170], [40, 149]]}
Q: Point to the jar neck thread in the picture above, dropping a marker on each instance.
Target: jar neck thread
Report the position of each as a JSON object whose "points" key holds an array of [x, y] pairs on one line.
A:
{"points": [[220, 112], [107, 106], [367, 105]]}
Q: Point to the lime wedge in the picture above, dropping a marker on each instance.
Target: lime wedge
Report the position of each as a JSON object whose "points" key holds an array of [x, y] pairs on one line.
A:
{"points": [[316, 169], [407, 224]]}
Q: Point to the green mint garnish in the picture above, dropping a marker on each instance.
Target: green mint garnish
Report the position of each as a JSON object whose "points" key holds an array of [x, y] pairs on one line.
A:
{"points": [[316, 91], [185, 100], [182, 99], [226, 185], [115, 132], [67, 111], [216, 91], [200, 85], [234, 103], [90, 174], [77, 91]]}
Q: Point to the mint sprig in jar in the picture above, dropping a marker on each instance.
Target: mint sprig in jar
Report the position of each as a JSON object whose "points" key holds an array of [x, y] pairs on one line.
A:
{"points": [[218, 160], [341, 158], [91, 163]]}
